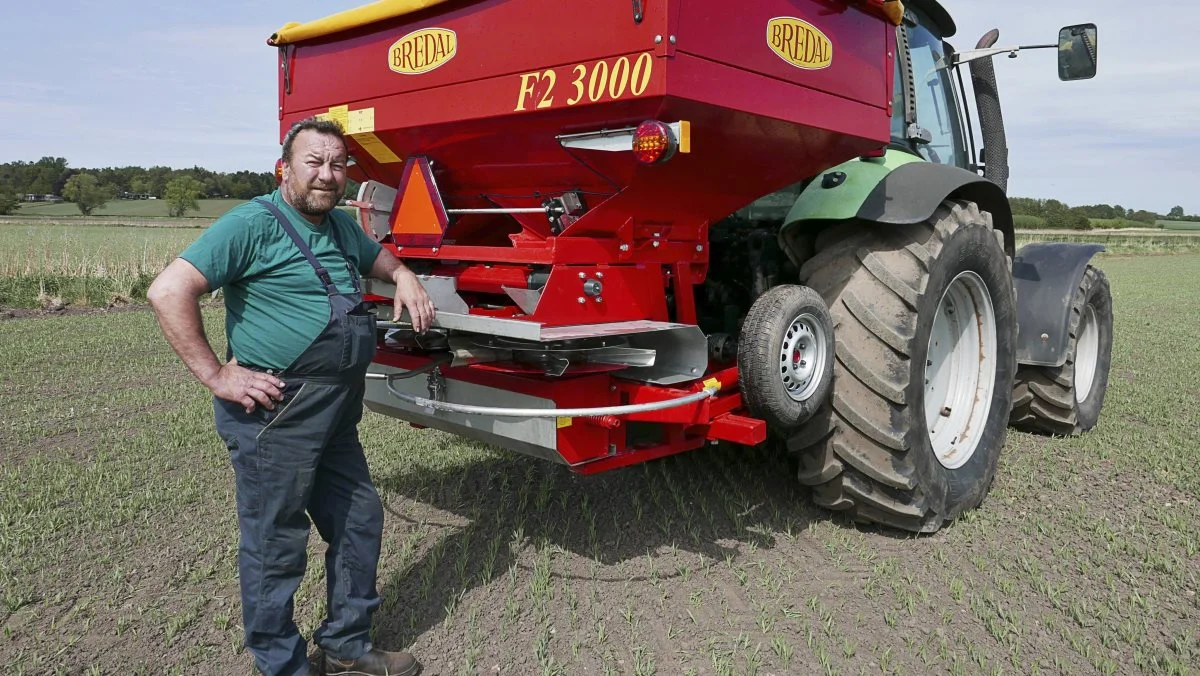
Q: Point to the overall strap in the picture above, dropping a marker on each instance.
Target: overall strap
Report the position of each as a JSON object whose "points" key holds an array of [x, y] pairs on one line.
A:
{"points": [[337, 242], [308, 254]]}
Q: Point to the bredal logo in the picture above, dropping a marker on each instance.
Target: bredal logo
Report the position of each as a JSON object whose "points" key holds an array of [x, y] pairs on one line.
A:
{"points": [[799, 43], [422, 51]]}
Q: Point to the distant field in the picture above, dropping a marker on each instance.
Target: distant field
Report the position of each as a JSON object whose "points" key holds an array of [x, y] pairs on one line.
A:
{"points": [[131, 208], [1122, 243], [60, 249], [93, 265], [1026, 222], [1179, 225], [1113, 223]]}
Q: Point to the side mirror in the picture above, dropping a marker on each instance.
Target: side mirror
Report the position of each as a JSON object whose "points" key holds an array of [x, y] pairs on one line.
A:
{"points": [[1077, 52]]}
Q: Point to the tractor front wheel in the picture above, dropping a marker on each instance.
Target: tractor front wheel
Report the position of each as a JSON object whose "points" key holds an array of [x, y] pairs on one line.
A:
{"points": [[925, 337]]}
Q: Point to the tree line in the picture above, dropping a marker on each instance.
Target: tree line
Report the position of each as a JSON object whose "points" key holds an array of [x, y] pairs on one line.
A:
{"points": [[91, 188], [1051, 213], [49, 175], [181, 188]]}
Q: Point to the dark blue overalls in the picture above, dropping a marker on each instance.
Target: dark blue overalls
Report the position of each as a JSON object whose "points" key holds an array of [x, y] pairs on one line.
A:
{"points": [[304, 460]]}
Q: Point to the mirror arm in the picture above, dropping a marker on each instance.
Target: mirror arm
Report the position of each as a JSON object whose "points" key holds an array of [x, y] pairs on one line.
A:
{"points": [[974, 54]]}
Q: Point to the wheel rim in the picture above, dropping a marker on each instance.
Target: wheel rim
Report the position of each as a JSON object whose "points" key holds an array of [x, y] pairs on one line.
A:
{"points": [[1087, 353], [960, 371], [802, 356]]}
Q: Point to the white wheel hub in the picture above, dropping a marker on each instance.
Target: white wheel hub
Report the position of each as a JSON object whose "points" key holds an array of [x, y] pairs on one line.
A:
{"points": [[802, 356], [1087, 353], [960, 373]]}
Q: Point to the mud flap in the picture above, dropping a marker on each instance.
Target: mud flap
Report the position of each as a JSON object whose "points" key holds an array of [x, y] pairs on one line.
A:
{"points": [[1046, 275]]}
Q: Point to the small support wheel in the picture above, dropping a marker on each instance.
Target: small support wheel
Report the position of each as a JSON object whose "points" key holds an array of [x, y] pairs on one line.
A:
{"points": [[785, 357]]}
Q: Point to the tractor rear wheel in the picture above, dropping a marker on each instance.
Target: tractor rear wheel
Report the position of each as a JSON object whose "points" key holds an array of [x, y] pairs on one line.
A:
{"points": [[925, 338], [1066, 400]]}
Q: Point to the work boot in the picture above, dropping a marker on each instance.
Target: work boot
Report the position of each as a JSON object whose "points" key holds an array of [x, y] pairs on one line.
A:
{"points": [[374, 663]]}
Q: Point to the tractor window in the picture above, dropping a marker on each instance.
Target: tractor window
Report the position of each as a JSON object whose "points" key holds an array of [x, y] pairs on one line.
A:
{"points": [[937, 109]]}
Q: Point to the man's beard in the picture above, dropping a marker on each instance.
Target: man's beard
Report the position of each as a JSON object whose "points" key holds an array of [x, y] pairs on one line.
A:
{"points": [[314, 202]]}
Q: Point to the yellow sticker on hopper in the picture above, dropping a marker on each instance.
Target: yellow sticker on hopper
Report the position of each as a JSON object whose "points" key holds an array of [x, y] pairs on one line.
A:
{"points": [[341, 115], [361, 121], [376, 148]]}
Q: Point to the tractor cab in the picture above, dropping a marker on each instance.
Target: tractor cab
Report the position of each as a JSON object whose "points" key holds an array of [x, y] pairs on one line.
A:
{"points": [[928, 99]]}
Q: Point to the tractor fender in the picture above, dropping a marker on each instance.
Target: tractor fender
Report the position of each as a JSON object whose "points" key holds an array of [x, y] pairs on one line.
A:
{"points": [[913, 192], [1046, 276], [898, 188]]}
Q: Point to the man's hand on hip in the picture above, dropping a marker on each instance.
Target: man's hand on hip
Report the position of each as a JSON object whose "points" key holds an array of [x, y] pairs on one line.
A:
{"points": [[410, 294], [248, 388]]}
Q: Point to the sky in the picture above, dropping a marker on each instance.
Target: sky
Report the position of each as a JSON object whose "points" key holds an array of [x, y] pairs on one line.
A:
{"points": [[122, 82]]}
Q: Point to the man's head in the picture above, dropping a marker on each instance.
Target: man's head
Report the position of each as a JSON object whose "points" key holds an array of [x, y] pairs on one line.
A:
{"points": [[314, 167]]}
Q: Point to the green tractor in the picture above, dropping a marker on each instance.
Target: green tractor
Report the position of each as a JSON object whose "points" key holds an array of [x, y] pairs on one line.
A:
{"points": [[937, 332]]}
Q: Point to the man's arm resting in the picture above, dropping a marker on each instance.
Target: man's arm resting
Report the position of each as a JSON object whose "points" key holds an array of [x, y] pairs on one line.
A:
{"points": [[409, 292], [173, 295]]}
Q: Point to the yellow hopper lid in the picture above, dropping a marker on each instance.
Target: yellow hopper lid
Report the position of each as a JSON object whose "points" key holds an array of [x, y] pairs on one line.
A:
{"points": [[351, 18], [382, 10]]}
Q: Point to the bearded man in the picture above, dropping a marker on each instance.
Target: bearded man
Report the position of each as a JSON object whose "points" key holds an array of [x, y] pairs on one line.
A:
{"points": [[288, 400]]}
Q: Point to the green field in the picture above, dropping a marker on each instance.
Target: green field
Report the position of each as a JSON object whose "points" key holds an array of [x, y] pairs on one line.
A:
{"points": [[118, 536], [83, 265], [209, 209], [91, 265], [1117, 223], [1122, 244], [1179, 225], [1026, 222]]}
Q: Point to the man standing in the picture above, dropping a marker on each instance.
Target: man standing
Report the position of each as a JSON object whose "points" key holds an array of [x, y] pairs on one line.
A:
{"points": [[288, 401]]}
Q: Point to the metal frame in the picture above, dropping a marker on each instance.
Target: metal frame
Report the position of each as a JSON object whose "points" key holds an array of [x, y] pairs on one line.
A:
{"points": [[586, 444]]}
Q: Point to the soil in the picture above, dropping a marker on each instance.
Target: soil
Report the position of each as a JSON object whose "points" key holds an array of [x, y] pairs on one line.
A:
{"points": [[655, 587], [67, 311], [711, 562]]}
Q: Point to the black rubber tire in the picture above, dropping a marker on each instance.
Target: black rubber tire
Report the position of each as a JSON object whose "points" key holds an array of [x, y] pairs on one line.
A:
{"points": [[868, 452], [1044, 397], [759, 345]]}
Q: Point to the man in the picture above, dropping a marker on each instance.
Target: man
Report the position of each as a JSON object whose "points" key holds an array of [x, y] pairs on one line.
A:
{"points": [[288, 401]]}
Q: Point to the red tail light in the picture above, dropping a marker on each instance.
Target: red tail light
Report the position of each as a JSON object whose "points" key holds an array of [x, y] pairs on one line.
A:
{"points": [[279, 171], [654, 142]]}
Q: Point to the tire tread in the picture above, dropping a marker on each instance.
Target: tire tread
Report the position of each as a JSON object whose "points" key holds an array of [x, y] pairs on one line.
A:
{"points": [[852, 455]]}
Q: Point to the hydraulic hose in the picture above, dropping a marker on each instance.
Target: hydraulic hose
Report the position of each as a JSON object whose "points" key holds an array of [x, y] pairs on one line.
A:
{"points": [[498, 412]]}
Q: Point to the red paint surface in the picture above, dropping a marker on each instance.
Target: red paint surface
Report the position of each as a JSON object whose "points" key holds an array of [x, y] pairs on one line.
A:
{"points": [[524, 73]]}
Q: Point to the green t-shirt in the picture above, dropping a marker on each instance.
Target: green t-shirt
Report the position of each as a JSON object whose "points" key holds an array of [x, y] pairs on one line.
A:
{"points": [[275, 304]]}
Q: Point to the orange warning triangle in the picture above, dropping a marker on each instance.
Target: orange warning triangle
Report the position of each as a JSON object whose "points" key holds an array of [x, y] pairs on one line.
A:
{"points": [[418, 210]]}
